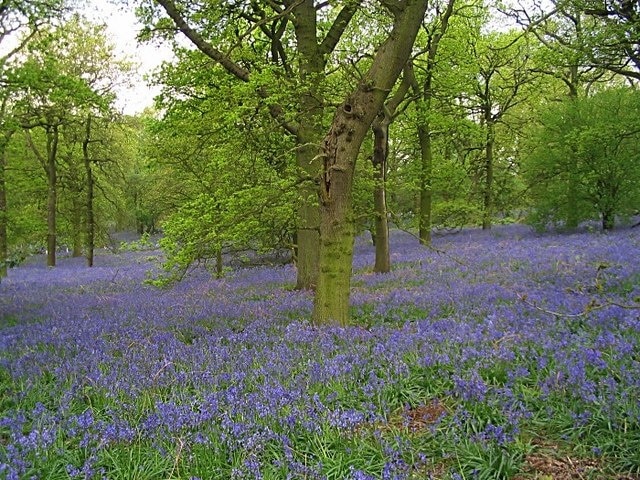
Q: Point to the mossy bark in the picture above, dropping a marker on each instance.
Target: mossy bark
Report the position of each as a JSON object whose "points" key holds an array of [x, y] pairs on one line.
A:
{"points": [[308, 218], [349, 127], [309, 137], [331, 303], [311, 59]]}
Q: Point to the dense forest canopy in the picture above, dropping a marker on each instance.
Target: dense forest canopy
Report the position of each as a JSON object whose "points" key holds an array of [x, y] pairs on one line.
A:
{"points": [[292, 126]]}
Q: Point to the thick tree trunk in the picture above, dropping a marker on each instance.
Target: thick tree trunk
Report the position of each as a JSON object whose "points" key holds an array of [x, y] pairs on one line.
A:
{"points": [[331, 302], [308, 219], [311, 58], [52, 198], [487, 212], [379, 159], [91, 227], [340, 151], [309, 137]]}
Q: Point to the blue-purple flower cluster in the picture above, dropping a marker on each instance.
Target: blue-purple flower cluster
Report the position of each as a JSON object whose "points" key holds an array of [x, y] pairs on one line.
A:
{"points": [[486, 342]]}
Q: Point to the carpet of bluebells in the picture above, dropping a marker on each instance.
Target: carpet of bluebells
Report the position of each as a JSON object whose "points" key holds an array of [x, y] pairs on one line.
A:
{"points": [[480, 357]]}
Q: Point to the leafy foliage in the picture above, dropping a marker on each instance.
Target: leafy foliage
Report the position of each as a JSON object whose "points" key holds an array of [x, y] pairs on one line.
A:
{"points": [[585, 157], [237, 180]]}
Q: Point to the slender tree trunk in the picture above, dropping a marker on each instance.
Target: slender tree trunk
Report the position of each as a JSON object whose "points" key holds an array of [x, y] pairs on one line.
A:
{"points": [[572, 214], [426, 152], [424, 126], [379, 159], [3, 208], [342, 144], [52, 198], [76, 222], [608, 220], [219, 264], [91, 227], [487, 212], [426, 193], [49, 165]]}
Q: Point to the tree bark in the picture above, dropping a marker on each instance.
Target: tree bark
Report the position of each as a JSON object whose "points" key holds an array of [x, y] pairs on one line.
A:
{"points": [[91, 226], [49, 165], [349, 127], [426, 194], [308, 130], [608, 220], [307, 238], [76, 223], [52, 198], [573, 187], [308, 138], [3, 207], [572, 215], [487, 212], [379, 159], [219, 264], [425, 96]]}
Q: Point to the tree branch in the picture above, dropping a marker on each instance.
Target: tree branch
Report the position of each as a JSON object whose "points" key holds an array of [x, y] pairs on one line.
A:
{"points": [[229, 65], [204, 46], [338, 27]]}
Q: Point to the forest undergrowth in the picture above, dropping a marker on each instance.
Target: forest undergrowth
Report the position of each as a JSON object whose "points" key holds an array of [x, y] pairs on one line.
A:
{"points": [[492, 355]]}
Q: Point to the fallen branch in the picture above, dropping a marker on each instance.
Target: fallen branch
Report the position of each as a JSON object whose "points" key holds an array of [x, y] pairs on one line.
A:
{"points": [[591, 306]]}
